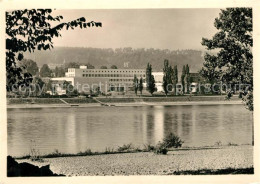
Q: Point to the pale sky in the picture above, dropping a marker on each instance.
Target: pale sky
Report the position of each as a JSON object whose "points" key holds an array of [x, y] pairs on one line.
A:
{"points": [[140, 28]]}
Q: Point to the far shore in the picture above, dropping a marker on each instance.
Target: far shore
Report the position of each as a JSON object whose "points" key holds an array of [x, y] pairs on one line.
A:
{"points": [[15, 106], [118, 101]]}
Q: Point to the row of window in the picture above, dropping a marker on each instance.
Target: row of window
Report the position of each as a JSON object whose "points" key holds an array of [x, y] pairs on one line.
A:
{"points": [[109, 75], [70, 75], [113, 71], [124, 80]]}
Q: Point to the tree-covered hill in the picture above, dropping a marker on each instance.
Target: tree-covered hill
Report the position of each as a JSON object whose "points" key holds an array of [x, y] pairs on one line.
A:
{"points": [[121, 57]]}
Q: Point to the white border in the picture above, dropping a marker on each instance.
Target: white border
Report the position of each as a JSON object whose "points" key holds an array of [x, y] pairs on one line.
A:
{"points": [[123, 4]]}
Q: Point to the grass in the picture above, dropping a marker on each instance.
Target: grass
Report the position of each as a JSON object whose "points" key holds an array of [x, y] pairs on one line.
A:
{"points": [[49, 100], [126, 148], [216, 172], [115, 100], [149, 147], [109, 150], [232, 144], [218, 143]]}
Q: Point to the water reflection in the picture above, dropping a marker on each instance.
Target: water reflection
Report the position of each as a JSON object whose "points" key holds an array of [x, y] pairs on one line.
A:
{"points": [[76, 129], [158, 123], [70, 132]]}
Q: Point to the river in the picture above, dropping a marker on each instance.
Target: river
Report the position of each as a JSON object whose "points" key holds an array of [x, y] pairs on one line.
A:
{"points": [[71, 130]]}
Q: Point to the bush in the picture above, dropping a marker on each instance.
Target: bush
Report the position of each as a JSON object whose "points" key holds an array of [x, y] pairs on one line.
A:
{"points": [[88, 152], [160, 149], [137, 149], [109, 150], [218, 143], [56, 153], [149, 147], [34, 152], [125, 147], [172, 141], [35, 155], [232, 144]]}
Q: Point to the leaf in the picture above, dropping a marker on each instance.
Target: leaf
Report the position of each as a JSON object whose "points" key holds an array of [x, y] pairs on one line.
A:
{"points": [[20, 56], [82, 19], [39, 47], [46, 47], [98, 24]]}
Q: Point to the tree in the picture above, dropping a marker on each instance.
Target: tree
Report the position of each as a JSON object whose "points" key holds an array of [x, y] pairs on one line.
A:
{"points": [[68, 87], [150, 82], [210, 70], [188, 78], [141, 86], [175, 78], [37, 86], [167, 77], [135, 85], [59, 72], [29, 66], [183, 74], [90, 66], [72, 65], [233, 64], [103, 67], [45, 71], [98, 90], [49, 85], [56, 71], [113, 67], [28, 30]]}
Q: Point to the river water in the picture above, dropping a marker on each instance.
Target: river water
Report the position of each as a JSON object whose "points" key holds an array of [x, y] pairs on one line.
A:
{"points": [[71, 130]]}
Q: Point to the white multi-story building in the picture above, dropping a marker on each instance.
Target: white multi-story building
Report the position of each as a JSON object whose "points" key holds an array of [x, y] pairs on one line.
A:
{"points": [[105, 79]]}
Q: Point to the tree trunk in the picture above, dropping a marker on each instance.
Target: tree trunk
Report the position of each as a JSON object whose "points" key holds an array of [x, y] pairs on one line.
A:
{"points": [[253, 137]]}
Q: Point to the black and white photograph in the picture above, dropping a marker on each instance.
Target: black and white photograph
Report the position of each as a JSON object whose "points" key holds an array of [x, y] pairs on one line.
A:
{"points": [[129, 92]]}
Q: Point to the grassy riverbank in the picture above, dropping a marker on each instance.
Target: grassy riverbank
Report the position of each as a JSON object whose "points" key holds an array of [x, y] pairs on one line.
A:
{"points": [[119, 101], [126, 148], [218, 160]]}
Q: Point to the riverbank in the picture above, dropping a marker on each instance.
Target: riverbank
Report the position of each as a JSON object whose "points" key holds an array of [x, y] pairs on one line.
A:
{"points": [[230, 158], [88, 102], [21, 106], [120, 99]]}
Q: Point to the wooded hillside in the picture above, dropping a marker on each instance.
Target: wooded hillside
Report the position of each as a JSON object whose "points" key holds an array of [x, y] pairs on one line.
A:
{"points": [[122, 57]]}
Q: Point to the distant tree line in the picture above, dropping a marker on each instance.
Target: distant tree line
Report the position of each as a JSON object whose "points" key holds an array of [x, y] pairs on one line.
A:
{"points": [[136, 58]]}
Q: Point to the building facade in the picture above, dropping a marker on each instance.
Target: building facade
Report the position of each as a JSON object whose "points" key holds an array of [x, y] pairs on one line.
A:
{"points": [[105, 80], [121, 80]]}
